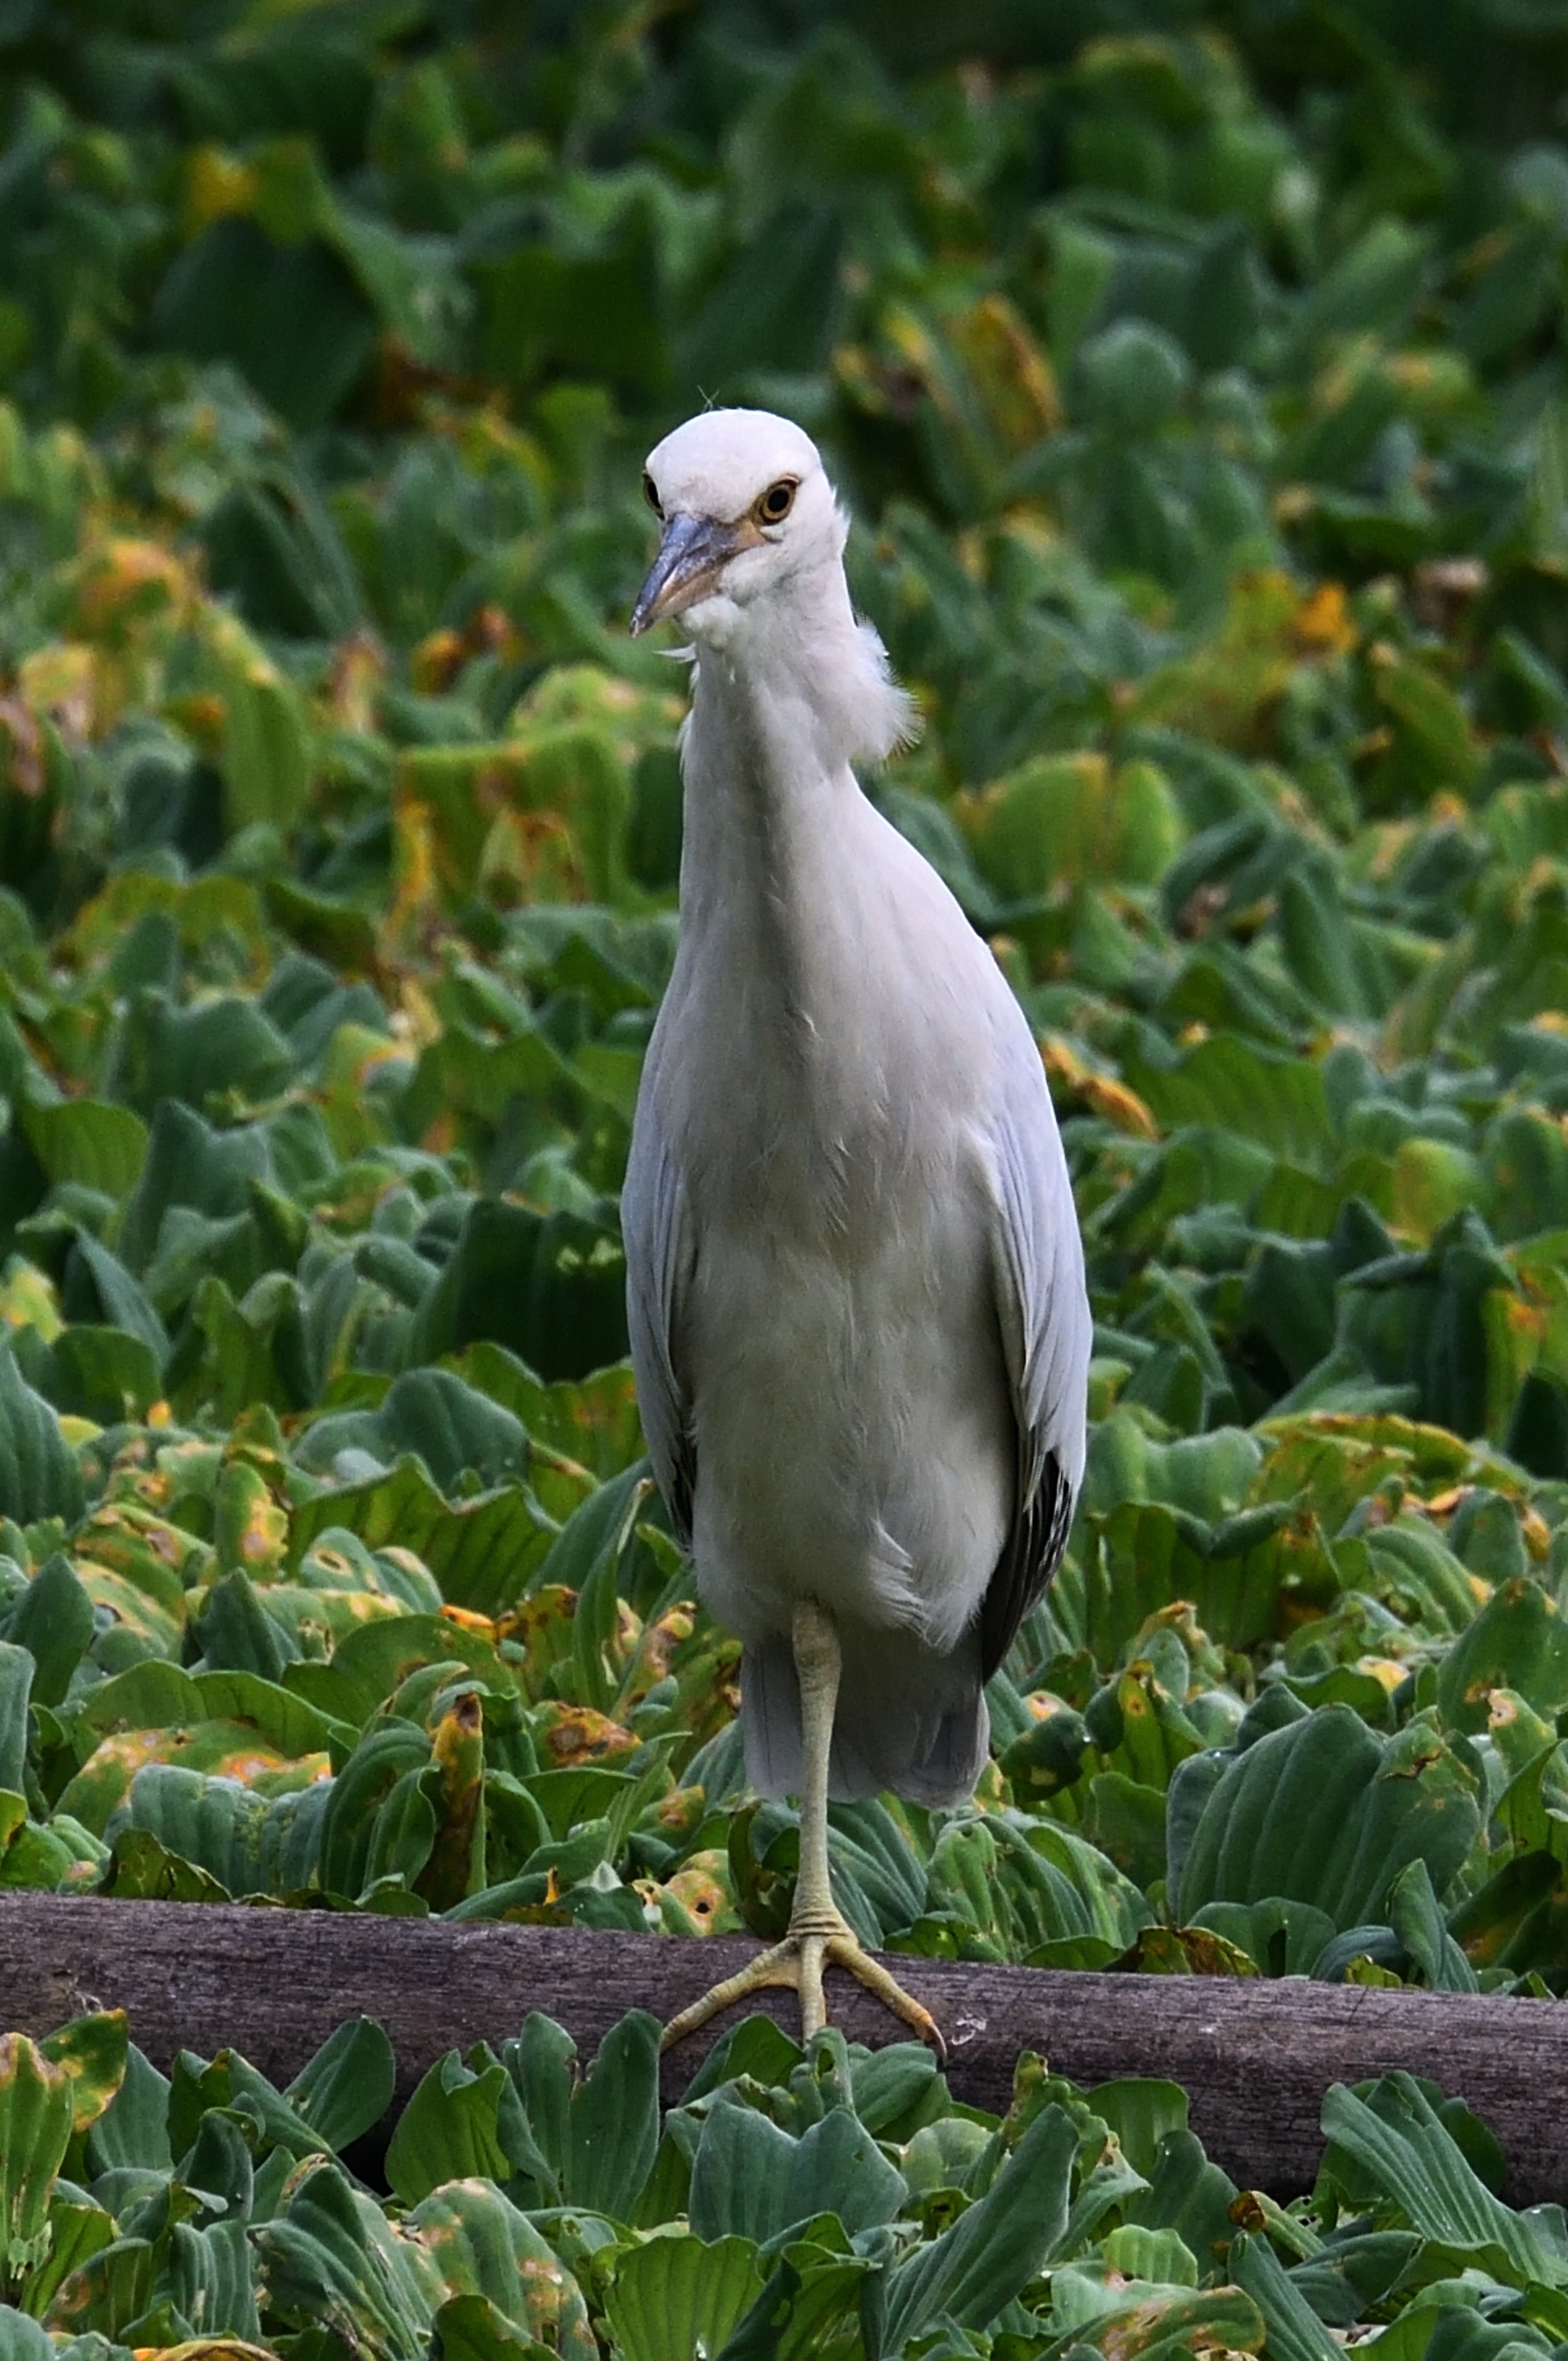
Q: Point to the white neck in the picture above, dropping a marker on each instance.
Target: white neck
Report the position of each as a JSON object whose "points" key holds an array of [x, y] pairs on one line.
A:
{"points": [[789, 691]]}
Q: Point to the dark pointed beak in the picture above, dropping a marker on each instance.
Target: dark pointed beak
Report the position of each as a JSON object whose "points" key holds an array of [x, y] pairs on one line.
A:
{"points": [[691, 557]]}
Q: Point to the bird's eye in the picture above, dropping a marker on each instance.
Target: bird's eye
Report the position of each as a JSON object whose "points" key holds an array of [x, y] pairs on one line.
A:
{"points": [[777, 501], [650, 496]]}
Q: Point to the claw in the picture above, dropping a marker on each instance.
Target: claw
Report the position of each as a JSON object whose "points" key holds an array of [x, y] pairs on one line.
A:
{"points": [[797, 1964], [819, 1935]]}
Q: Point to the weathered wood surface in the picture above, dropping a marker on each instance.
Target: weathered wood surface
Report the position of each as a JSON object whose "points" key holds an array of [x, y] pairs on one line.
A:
{"points": [[1255, 2057]]}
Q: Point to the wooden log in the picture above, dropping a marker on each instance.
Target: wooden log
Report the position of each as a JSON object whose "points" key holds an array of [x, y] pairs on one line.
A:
{"points": [[1255, 2058]]}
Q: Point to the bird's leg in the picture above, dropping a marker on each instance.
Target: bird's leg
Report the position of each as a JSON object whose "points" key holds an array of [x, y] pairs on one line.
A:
{"points": [[814, 1918], [819, 1935]]}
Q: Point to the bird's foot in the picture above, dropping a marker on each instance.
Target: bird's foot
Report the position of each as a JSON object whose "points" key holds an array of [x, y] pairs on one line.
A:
{"points": [[815, 1941]]}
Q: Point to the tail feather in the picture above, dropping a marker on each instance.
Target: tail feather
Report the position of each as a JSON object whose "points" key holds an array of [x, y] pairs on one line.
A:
{"points": [[909, 1720]]}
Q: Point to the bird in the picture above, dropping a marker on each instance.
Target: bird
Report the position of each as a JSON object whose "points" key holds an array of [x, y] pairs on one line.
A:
{"points": [[856, 1301]]}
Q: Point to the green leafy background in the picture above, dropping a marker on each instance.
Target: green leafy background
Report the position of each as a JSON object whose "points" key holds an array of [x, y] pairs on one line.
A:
{"points": [[1196, 376], [834, 2204]]}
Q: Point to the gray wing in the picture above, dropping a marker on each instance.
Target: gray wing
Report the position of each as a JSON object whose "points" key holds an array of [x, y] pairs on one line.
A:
{"points": [[657, 1261], [1047, 1331]]}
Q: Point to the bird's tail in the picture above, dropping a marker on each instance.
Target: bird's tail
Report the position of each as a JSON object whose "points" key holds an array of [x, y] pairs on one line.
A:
{"points": [[909, 1718]]}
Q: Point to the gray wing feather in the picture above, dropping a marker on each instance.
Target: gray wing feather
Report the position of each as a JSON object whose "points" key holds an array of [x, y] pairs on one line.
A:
{"points": [[1046, 1331], [657, 1262]]}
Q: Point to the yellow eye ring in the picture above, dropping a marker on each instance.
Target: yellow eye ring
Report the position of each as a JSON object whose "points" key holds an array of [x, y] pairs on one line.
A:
{"points": [[776, 502], [652, 496]]}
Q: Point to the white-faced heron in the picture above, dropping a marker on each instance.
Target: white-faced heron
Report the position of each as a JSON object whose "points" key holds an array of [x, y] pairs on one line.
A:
{"points": [[855, 1278]]}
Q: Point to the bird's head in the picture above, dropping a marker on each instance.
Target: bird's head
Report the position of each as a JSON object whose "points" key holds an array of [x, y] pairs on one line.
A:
{"points": [[746, 509]]}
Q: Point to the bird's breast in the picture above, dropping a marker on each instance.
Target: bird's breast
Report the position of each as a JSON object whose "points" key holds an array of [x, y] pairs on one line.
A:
{"points": [[814, 1141], [832, 1094], [849, 1409]]}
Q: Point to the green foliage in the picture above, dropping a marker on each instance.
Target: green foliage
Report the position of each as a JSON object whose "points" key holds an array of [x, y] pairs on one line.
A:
{"points": [[831, 2202], [1198, 392], [1215, 518]]}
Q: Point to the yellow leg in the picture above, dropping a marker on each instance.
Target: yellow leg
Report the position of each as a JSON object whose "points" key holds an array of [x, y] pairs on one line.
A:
{"points": [[819, 1935]]}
